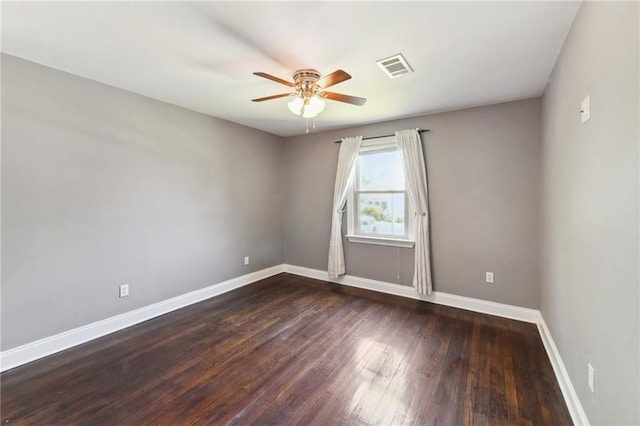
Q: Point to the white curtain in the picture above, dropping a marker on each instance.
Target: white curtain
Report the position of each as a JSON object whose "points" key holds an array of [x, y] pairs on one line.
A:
{"points": [[416, 180], [349, 151]]}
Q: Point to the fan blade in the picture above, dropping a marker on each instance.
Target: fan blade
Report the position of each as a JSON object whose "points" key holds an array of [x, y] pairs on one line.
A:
{"points": [[273, 78], [267, 98], [334, 78], [343, 98]]}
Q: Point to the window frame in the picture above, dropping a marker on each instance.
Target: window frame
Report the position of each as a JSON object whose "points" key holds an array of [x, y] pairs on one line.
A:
{"points": [[354, 235]]}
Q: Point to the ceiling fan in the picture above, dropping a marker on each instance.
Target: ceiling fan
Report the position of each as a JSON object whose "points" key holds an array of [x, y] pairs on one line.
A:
{"points": [[309, 87]]}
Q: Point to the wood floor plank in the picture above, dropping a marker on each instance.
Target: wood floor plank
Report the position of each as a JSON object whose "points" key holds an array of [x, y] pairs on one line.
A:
{"points": [[291, 350]]}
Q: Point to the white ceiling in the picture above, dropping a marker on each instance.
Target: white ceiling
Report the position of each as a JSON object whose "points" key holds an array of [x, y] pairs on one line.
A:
{"points": [[201, 55]]}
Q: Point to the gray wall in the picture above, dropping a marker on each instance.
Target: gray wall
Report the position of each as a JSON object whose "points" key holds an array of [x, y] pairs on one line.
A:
{"points": [[483, 171], [590, 256], [102, 187]]}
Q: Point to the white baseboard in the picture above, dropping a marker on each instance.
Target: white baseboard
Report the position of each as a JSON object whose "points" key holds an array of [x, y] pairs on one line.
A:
{"points": [[576, 411], [440, 298], [574, 406], [49, 345]]}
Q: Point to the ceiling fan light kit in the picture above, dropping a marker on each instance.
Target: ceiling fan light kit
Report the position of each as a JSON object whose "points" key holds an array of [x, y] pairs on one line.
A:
{"points": [[309, 88], [309, 107]]}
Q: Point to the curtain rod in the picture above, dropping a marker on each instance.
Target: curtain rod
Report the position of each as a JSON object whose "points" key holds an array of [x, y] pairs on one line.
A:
{"points": [[383, 136]]}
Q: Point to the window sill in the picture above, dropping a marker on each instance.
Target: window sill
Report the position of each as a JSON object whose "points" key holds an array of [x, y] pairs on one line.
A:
{"points": [[380, 241]]}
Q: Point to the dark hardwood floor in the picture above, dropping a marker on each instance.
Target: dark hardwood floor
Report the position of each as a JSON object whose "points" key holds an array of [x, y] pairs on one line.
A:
{"points": [[291, 350]]}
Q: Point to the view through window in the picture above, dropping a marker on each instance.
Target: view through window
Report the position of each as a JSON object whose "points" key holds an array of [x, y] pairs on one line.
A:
{"points": [[379, 196]]}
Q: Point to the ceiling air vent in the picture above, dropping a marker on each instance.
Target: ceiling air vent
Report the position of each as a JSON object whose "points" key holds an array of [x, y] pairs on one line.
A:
{"points": [[394, 66]]}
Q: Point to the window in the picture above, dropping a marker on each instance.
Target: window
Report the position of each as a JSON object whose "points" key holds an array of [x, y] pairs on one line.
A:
{"points": [[378, 208]]}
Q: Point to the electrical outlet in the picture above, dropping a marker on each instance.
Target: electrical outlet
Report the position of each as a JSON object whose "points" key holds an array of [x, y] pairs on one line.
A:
{"points": [[591, 379], [124, 290], [246, 260], [489, 277]]}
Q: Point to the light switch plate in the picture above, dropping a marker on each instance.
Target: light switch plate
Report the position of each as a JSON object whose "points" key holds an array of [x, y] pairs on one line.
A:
{"points": [[585, 109]]}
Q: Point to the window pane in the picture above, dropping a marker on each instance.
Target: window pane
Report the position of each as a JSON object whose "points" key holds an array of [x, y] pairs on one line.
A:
{"points": [[381, 171], [381, 214]]}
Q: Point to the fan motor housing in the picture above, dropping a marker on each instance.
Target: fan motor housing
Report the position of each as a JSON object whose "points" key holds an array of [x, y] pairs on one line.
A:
{"points": [[305, 81]]}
